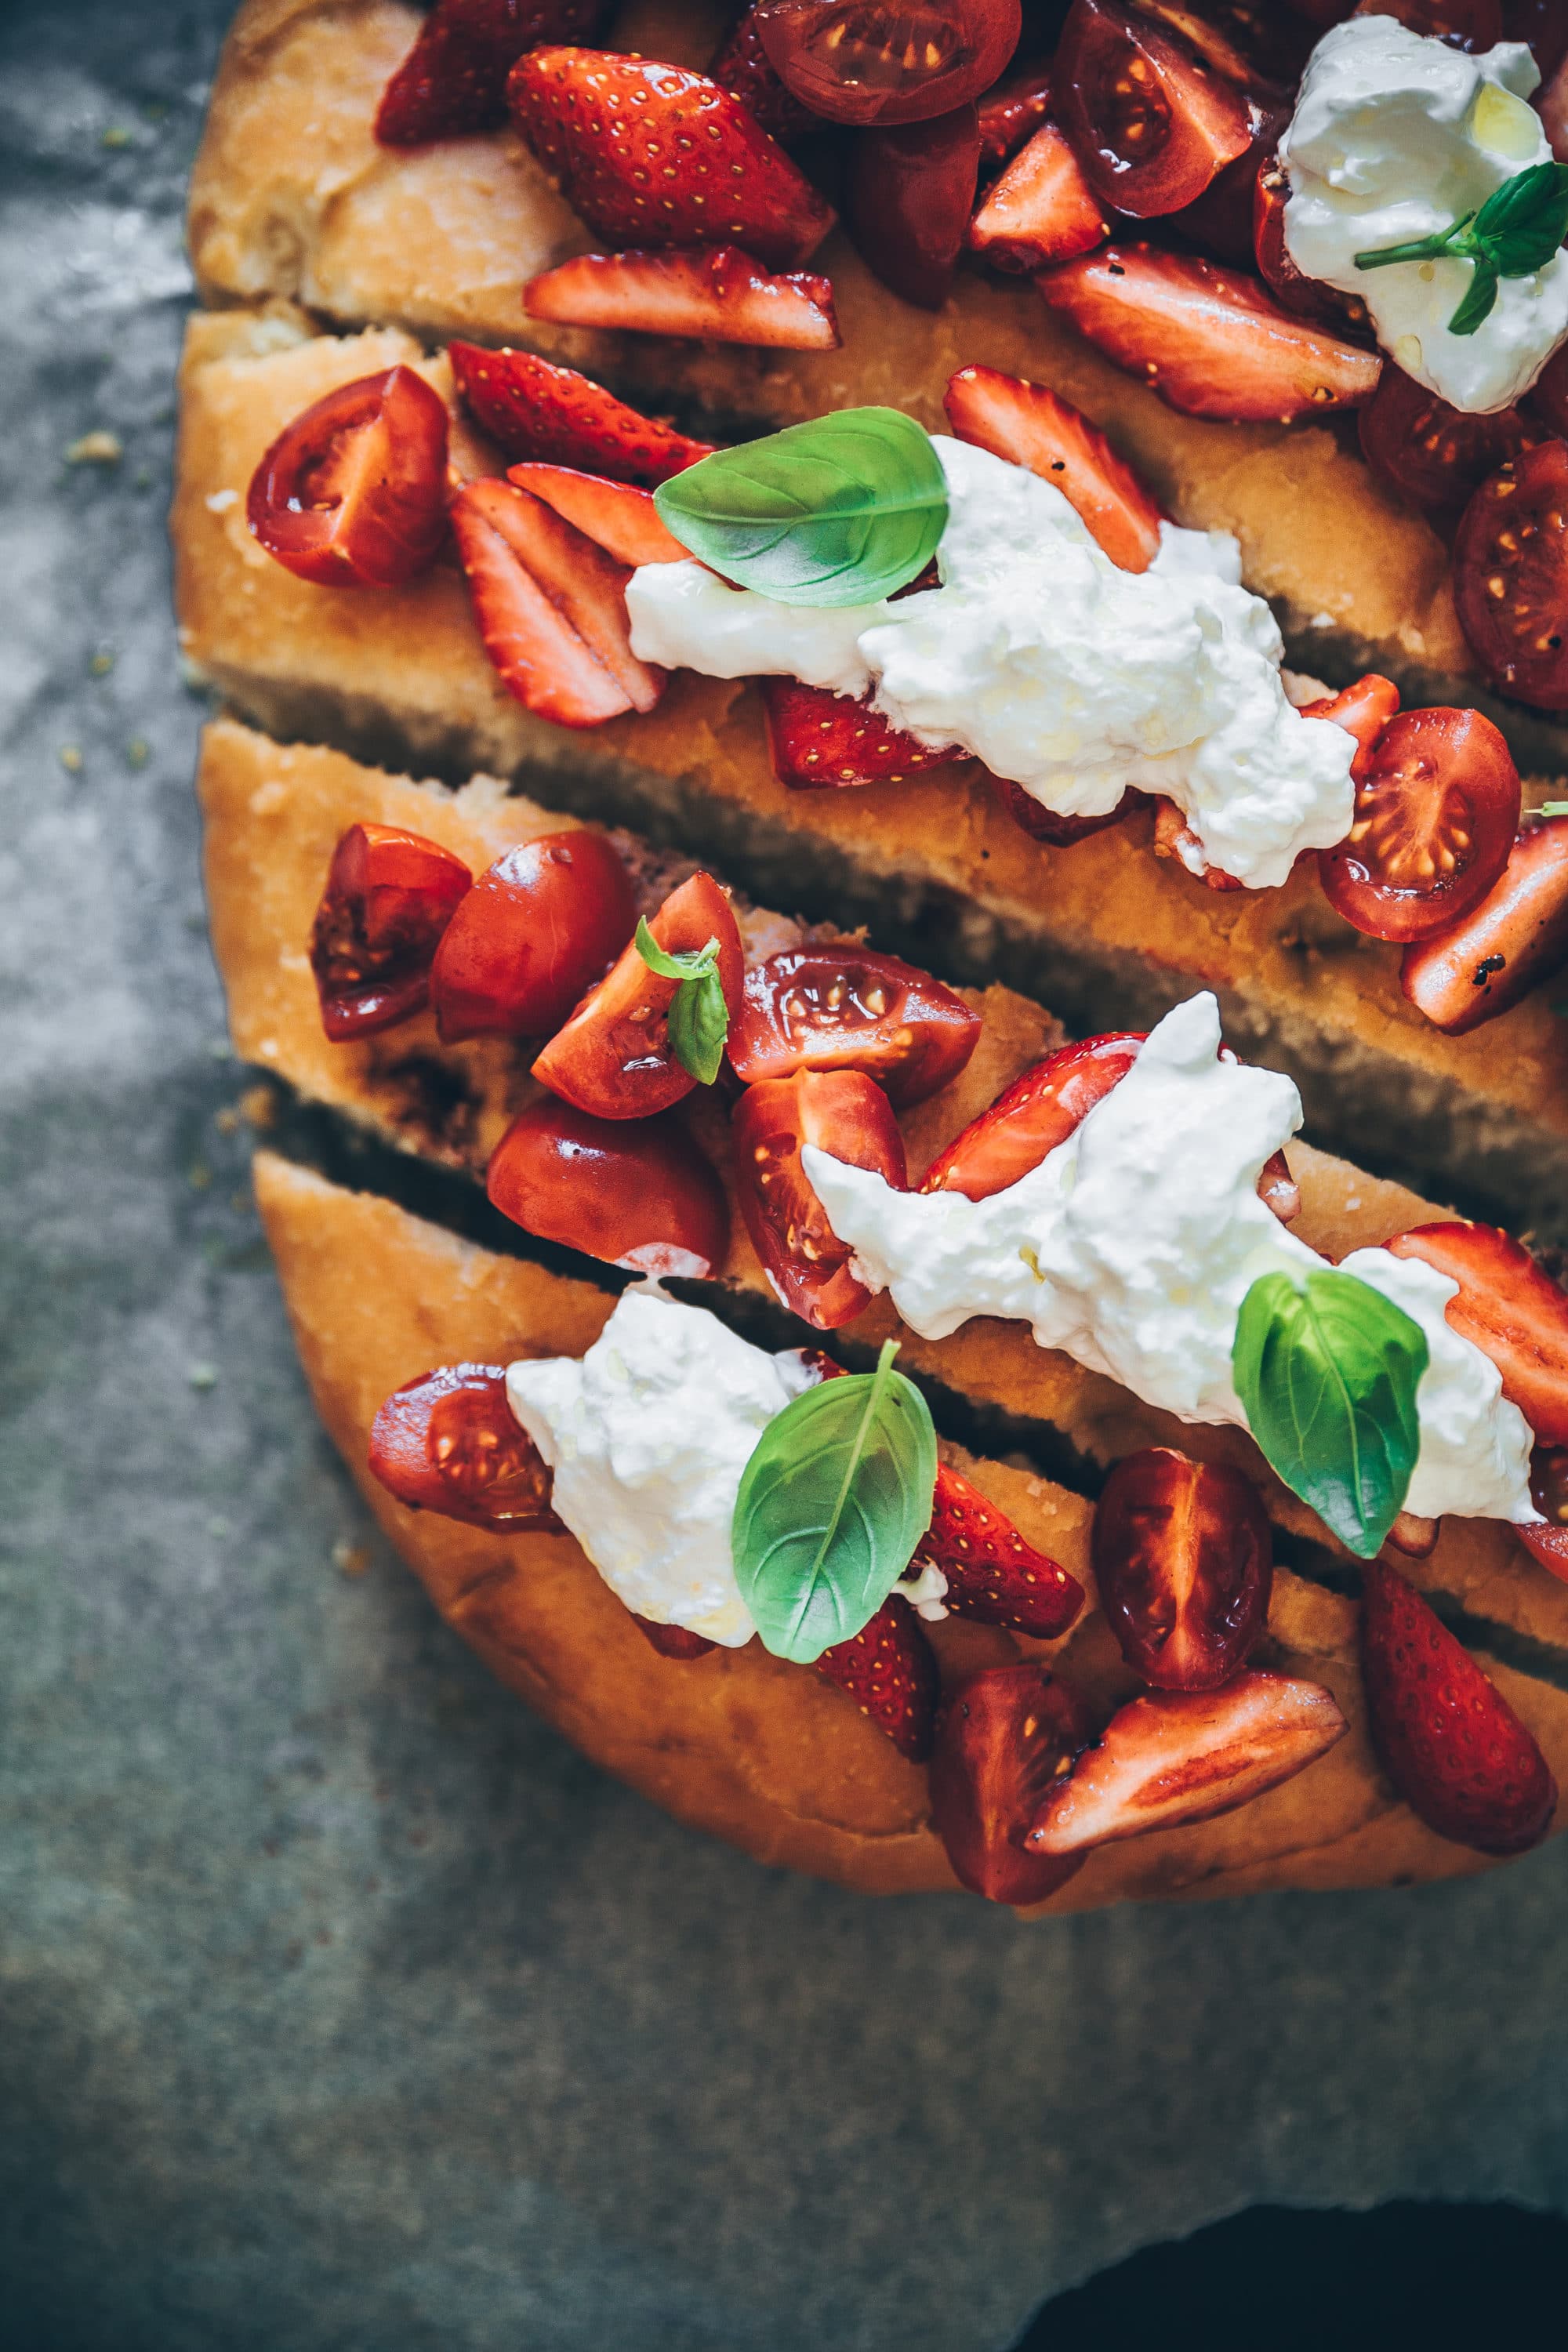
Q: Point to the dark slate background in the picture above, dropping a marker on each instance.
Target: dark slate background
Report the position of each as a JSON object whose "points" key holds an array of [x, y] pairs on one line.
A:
{"points": [[343, 2006]]}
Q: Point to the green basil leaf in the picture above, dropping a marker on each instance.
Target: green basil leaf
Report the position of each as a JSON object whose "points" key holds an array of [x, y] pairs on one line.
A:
{"points": [[699, 1026], [1553, 808], [839, 511], [1522, 223], [1478, 303], [831, 1507], [687, 964], [1328, 1371]]}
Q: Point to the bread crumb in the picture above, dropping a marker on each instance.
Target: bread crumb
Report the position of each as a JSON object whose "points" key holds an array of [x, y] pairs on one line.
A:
{"points": [[259, 1106], [138, 751], [102, 663], [202, 1376], [220, 501], [97, 448], [352, 1559], [70, 759]]}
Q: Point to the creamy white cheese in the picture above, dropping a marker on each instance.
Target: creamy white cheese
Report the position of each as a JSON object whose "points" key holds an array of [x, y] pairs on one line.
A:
{"points": [[648, 1435], [1395, 137], [1060, 671], [1133, 1243]]}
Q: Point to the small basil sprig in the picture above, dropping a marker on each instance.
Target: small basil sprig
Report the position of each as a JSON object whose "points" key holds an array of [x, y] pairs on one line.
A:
{"points": [[832, 1505], [839, 511], [699, 1017], [1515, 233], [1328, 1370]]}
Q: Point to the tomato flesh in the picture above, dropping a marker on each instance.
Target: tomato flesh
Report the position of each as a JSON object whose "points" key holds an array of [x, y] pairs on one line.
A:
{"points": [[1005, 1739], [450, 1443], [641, 1196], [1433, 455], [1436, 809], [613, 1058], [389, 898], [888, 60], [1153, 123], [1508, 1307], [907, 196], [1184, 1560], [538, 927], [847, 1008], [845, 1114], [1548, 1492], [352, 494], [1510, 576]]}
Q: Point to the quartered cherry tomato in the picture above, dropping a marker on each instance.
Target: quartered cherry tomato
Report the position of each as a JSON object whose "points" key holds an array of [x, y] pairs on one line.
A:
{"points": [[1514, 937], [1034, 1114], [1436, 809], [1510, 576], [1184, 1560], [641, 1196], [888, 60], [353, 493], [1512, 1310], [538, 927], [672, 1641], [843, 1113], [613, 1059], [1005, 1737], [389, 898], [907, 196], [1306, 298], [450, 1443], [1548, 1492], [847, 1008], [1153, 123], [1435, 455]]}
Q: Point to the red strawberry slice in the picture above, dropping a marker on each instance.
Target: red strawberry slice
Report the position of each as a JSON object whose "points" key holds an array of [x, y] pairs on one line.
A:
{"points": [[741, 66], [1210, 340], [453, 81], [889, 1672], [624, 521], [672, 1641], [551, 608], [1450, 1741], [1013, 110], [1178, 1757], [992, 1573], [1516, 936], [818, 739], [1510, 1308], [1033, 427], [557, 417], [650, 154], [712, 293], [1042, 209], [1005, 1736]]}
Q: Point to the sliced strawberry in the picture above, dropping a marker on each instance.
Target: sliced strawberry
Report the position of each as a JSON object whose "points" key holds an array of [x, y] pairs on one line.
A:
{"points": [[652, 155], [1175, 837], [1364, 710], [1508, 1308], [453, 81], [908, 191], [1034, 426], [556, 418], [1013, 110], [1042, 209], [551, 607], [1179, 1756], [889, 1672], [741, 66], [1210, 340], [1041, 824], [711, 293], [818, 739], [992, 1573], [1512, 938], [1450, 1741], [671, 1641], [621, 519], [1005, 1736]]}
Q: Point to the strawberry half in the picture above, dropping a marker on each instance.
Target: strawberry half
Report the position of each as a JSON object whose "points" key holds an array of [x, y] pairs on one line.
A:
{"points": [[1448, 1740], [1211, 341], [992, 1573], [1033, 427], [551, 607], [556, 418], [1509, 1308], [624, 521], [741, 66], [890, 1671], [711, 293], [819, 738], [453, 81], [1005, 1736], [1042, 209], [650, 154], [1178, 1757]]}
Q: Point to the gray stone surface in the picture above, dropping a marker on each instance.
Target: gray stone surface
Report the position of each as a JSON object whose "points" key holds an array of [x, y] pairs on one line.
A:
{"points": [[343, 2006]]}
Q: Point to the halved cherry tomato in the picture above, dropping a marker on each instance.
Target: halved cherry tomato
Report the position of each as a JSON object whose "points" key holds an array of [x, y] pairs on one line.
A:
{"points": [[538, 927], [641, 1196], [1435, 455], [390, 896], [450, 1443], [1509, 1308], [1255, 44], [1514, 937], [1510, 576], [1436, 809], [908, 194], [1151, 122], [1548, 1492], [613, 1059], [888, 60], [1005, 1737], [847, 1008], [352, 494], [1220, 221], [1308, 297], [672, 1641], [1185, 1563], [841, 1112], [1548, 395]]}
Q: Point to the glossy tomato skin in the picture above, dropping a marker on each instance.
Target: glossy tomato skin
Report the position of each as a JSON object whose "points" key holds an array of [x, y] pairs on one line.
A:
{"points": [[1152, 124], [887, 61], [1434, 455], [352, 494], [844, 1113], [1510, 576], [908, 194], [1516, 936], [450, 1443], [1305, 297], [848, 1008], [1004, 1737], [1032, 1115], [389, 898], [1184, 1560], [639, 1195], [1436, 809], [538, 927], [1549, 1491], [1510, 1308], [613, 1058], [672, 1641], [1042, 824]]}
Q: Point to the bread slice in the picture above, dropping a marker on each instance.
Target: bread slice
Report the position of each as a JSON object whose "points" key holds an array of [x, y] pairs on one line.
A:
{"points": [[1108, 934], [764, 1753]]}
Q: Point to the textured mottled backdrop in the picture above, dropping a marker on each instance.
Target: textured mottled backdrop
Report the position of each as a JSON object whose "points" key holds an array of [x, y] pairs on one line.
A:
{"points": [[343, 2006]]}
